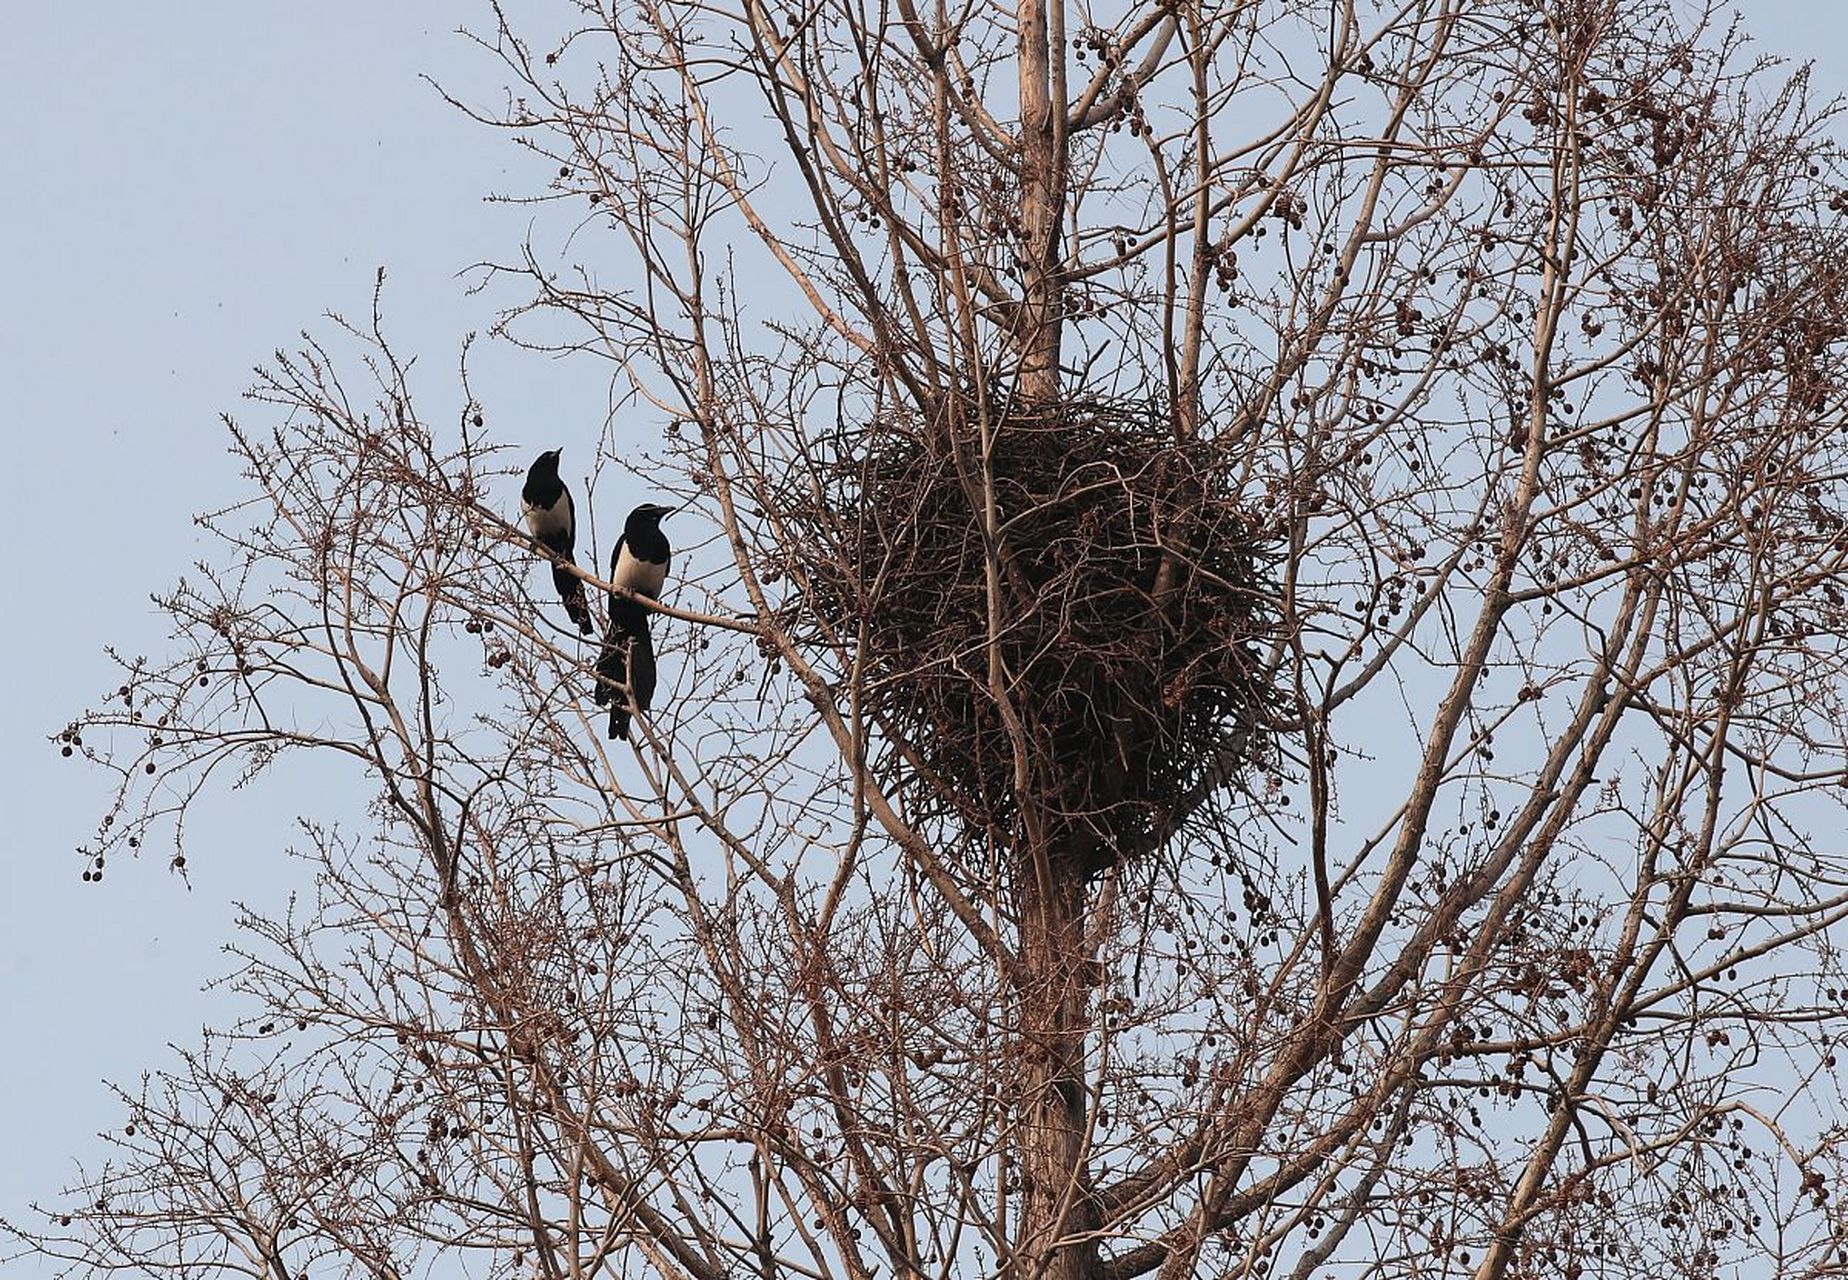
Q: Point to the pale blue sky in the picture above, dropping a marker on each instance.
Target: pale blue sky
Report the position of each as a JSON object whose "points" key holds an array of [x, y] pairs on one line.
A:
{"points": [[185, 188]]}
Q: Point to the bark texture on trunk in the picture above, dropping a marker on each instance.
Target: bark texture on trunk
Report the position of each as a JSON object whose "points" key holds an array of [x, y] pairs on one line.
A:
{"points": [[1054, 1002], [1042, 196], [1057, 1213]]}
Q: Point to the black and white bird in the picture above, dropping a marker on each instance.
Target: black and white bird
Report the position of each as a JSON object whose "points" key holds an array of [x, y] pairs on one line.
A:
{"points": [[626, 667], [546, 504]]}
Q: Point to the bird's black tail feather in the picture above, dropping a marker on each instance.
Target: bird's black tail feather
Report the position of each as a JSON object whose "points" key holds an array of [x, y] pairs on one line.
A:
{"points": [[642, 669], [571, 591], [625, 670]]}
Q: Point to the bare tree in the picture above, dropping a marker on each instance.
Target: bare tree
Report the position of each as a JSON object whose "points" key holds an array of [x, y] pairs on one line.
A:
{"points": [[1266, 698]]}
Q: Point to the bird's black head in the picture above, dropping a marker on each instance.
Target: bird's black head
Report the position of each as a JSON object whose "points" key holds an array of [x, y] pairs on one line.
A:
{"points": [[650, 513], [546, 464]]}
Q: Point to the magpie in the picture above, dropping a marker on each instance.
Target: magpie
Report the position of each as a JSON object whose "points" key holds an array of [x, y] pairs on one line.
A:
{"points": [[639, 563], [546, 504]]}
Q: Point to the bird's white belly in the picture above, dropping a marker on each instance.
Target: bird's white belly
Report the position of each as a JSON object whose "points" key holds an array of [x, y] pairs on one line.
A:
{"points": [[642, 576], [544, 522]]}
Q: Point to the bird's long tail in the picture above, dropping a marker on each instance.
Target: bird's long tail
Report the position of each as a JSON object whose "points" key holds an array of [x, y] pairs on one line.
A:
{"points": [[571, 591], [642, 669], [625, 671]]}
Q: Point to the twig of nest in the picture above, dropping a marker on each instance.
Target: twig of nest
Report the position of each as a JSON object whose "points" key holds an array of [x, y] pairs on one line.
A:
{"points": [[1116, 633]]}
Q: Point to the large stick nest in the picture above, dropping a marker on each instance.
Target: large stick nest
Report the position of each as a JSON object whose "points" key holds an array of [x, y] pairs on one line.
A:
{"points": [[1120, 630]]}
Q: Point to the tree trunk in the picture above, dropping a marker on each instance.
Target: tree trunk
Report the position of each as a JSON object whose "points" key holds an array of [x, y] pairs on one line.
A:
{"points": [[1050, 884], [1055, 1192], [1042, 196]]}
